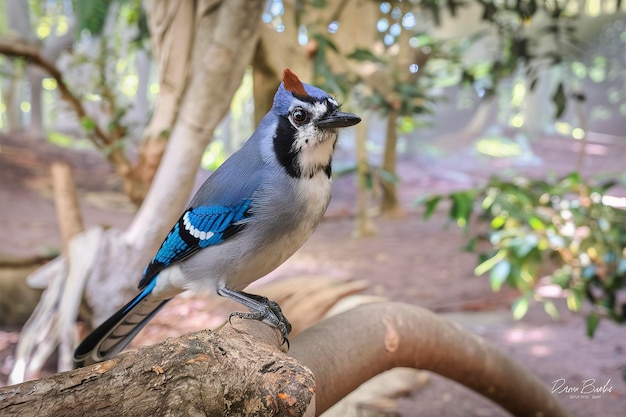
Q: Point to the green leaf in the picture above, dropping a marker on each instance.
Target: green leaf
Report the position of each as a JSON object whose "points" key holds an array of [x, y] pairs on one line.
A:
{"points": [[561, 277], [88, 123], [574, 300], [461, 209], [520, 308], [593, 320], [91, 15], [363, 54], [490, 263], [525, 244], [536, 223], [559, 100], [550, 309], [499, 273], [431, 205], [470, 246], [497, 222]]}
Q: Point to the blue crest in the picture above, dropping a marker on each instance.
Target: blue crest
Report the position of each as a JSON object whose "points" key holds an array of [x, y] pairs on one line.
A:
{"points": [[284, 96]]}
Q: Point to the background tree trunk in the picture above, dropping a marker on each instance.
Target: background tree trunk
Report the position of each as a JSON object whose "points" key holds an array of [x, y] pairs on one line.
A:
{"points": [[390, 204], [364, 226], [239, 370], [172, 31]]}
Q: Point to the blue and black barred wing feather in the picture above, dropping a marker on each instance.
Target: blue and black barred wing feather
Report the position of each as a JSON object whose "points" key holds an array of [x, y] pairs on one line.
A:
{"points": [[198, 228]]}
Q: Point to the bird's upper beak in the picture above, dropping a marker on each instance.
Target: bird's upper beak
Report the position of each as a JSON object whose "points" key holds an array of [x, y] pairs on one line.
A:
{"points": [[338, 119]]}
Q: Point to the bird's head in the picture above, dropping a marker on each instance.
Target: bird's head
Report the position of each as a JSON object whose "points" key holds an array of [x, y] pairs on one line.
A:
{"points": [[308, 123]]}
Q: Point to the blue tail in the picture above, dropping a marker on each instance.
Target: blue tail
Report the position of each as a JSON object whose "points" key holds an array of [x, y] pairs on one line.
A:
{"points": [[114, 334]]}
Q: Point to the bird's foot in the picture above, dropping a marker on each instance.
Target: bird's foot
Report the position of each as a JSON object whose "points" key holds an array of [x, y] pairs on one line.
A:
{"points": [[263, 310]]}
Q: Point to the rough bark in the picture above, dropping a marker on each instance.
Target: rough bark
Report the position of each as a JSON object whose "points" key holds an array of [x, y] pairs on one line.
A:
{"points": [[240, 370], [227, 372]]}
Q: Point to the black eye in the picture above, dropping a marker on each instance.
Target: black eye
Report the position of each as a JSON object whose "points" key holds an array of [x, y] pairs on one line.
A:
{"points": [[299, 115]]}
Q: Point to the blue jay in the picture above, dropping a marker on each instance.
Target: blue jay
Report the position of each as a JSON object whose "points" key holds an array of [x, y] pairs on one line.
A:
{"points": [[248, 217]]}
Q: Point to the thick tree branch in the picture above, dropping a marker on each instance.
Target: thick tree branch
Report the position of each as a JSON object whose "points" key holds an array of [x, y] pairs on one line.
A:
{"points": [[239, 370], [227, 372], [351, 348], [17, 48]]}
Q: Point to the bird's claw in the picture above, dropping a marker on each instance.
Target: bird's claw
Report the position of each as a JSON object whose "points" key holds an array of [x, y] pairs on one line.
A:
{"points": [[271, 319], [264, 310]]}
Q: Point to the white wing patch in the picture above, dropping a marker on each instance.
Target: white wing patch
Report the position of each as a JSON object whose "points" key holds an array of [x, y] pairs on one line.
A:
{"points": [[193, 231]]}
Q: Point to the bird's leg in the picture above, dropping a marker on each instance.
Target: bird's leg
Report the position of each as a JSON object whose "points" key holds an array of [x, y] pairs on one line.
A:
{"points": [[263, 309]]}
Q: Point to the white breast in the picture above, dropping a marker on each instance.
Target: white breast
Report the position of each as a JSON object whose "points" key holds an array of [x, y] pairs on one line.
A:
{"points": [[312, 198]]}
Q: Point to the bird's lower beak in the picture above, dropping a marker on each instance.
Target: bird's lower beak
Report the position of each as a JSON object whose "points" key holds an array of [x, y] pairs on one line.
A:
{"points": [[338, 119]]}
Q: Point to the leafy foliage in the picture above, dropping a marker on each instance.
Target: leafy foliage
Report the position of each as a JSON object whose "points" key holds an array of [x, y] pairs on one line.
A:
{"points": [[91, 15], [563, 228]]}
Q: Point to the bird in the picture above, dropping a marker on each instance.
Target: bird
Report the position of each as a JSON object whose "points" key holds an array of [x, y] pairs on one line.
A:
{"points": [[250, 215]]}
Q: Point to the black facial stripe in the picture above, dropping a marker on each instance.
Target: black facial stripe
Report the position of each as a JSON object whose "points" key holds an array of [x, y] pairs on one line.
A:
{"points": [[330, 107], [283, 146]]}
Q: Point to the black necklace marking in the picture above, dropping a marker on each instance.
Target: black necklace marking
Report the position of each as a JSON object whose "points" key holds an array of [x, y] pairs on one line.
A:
{"points": [[287, 156]]}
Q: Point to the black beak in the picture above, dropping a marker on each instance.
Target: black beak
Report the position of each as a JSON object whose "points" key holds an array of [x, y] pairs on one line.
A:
{"points": [[338, 119]]}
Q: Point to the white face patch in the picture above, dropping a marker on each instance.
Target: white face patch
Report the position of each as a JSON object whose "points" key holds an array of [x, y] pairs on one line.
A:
{"points": [[197, 233], [314, 146]]}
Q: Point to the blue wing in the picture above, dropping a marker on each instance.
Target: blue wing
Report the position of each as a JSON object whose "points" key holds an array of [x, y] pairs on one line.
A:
{"points": [[198, 228]]}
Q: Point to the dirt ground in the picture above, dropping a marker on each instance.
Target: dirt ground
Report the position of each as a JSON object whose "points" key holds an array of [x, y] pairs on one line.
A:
{"points": [[410, 260]]}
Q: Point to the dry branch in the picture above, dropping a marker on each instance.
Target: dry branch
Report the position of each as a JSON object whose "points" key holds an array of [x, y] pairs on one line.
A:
{"points": [[17, 48], [232, 372], [351, 348]]}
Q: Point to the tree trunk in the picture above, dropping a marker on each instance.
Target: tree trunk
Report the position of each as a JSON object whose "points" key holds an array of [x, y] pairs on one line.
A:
{"points": [[390, 204], [172, 31], [239, 370], [364, 225], [11, 95]]}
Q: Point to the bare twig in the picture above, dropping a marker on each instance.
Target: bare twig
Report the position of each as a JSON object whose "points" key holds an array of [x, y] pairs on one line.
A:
{"points": [[15, 47]]}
